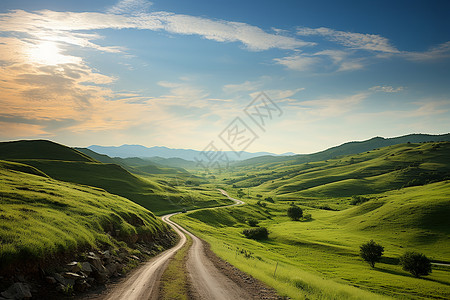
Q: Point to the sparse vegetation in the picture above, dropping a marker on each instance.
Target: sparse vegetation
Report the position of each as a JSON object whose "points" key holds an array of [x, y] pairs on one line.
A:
{"points": [[294, 212], [371, 252], [259, 233], [415, 263]]}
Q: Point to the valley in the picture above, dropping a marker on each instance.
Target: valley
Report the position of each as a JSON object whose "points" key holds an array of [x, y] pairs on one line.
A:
{"points": [[57, 201]]}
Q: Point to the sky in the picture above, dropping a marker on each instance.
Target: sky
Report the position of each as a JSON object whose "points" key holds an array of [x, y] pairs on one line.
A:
{"points": [[275, 76]]}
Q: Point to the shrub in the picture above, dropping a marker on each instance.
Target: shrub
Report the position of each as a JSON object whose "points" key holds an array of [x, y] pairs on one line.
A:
{"points": [[252, 222], [294, 212], [259, 233], [358, 200], [415, 263], [306, 217], [269, 199], [371, 252]]}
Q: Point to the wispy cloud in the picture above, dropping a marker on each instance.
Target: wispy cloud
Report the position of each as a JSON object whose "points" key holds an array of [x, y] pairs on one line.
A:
{"points": [[246, 86], [329, 107], [298, 62], [436, 52], [130, 7], [66, 24], [371, 42], [386, 89]]}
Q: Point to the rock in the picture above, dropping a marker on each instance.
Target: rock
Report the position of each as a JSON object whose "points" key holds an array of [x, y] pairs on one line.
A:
{"points": [[74, 267], [101, 277], [96, 263], [81, 286], [50, 279], [112, 269], [59, 278], [134, 257], [73, 276], [18, 290], [86, 267], [60, 287]]}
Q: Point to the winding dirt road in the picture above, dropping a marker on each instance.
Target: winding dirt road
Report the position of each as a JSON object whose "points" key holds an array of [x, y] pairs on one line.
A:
{"points": [[207, 281]]}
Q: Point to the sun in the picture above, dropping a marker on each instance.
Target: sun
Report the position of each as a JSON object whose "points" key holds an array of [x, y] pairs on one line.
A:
{"points": [[48, 53]]}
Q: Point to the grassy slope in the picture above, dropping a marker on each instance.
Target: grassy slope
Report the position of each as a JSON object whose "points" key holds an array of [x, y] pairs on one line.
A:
{"points": [[319, 259], [366, 173], [160, 194], [40, 217]]}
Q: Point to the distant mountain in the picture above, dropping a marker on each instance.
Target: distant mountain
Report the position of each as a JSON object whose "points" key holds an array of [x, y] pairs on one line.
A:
{"points": [[348, 148], [126, 151]]}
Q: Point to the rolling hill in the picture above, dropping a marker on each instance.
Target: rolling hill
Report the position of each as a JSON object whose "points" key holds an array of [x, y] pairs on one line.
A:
{"points": [[42, 217], [159, 194], [371, 172], [345, 149]]}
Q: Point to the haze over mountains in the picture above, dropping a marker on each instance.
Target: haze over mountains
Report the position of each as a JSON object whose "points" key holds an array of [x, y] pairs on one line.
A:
{"points": [[126, 151]]}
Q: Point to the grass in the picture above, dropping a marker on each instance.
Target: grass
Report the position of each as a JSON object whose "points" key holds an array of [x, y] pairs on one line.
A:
{"points": [[160, 194], [319, 259], [41, 217], [174, 281]]}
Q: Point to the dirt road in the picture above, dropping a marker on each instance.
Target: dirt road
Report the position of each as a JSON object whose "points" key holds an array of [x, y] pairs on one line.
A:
{"points": [[207, 281]]}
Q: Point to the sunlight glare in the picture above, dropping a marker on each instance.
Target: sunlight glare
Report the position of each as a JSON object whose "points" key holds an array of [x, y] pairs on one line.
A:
{"points": [[49, 53]]}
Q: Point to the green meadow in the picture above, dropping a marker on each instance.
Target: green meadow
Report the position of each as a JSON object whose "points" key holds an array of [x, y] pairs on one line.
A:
{"points": [[41, 217], [405, 206]]}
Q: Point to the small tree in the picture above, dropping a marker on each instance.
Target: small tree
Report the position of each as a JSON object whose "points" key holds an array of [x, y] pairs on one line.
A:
{"points": [[258, 233], [252, 222], [294, 212], [415, 263], [371, 252]]}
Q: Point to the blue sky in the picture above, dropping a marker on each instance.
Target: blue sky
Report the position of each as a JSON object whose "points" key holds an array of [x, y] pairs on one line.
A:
{"points": [[179, 73]]}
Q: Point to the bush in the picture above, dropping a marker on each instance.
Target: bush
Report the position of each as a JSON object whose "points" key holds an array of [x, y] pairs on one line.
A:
{"points": [[252, 222], [307, 217], [415, 263], [259, 233], [358, 200], [294, 212], [371, 252], [269, 199]]}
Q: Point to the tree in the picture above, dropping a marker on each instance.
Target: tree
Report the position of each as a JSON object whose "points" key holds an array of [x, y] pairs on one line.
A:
{"points": [[415, 263], [259, 233], [294, 212], [371, 252]]}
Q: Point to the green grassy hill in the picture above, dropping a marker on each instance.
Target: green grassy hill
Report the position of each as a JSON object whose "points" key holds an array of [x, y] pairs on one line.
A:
{"points": [[397, 195], [41, 217], [134, 164], [344, 149], [40, 149], [371, 172], [160, 194]]}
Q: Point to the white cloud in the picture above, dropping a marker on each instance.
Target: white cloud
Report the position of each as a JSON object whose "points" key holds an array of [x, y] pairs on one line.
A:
{"points": [[63, 25], [329, 107], [386, 89], [130, 6], [437, 52], [342, 60], [298, 62], [246, 86], [371, 42]]}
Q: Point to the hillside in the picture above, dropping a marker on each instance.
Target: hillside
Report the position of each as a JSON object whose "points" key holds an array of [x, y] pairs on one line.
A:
{"points": [[346, 149], [40, 149], [371, 172], [134, 164], [42, 217], [159, 194]]}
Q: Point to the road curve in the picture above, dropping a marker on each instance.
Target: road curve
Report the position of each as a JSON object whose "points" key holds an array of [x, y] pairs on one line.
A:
{"points": [[208, 282]]}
